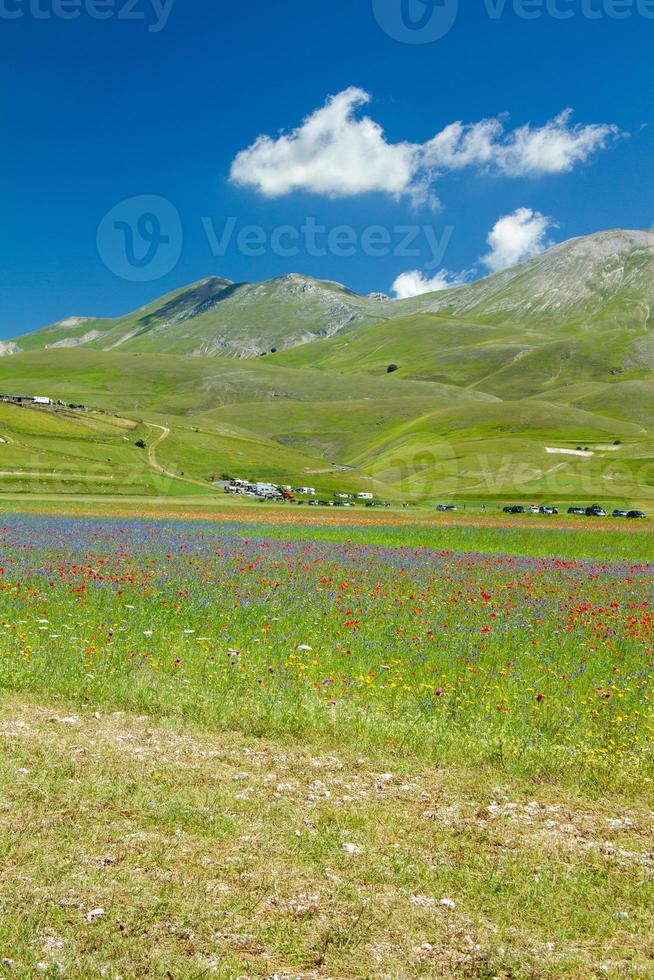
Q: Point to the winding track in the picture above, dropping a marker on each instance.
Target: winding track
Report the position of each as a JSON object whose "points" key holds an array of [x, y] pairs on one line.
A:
{"points": [[156, 465]]}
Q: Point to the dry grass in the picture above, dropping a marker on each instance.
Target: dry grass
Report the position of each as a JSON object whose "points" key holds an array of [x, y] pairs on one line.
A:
{"points": [[222, 855]]}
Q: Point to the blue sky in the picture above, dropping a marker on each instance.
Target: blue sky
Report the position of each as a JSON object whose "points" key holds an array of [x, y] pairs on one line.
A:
{"points": [[156, 105]]}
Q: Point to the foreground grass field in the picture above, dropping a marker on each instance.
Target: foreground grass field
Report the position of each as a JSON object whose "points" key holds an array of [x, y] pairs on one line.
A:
{"points": [[355, 750], [136, 848]]}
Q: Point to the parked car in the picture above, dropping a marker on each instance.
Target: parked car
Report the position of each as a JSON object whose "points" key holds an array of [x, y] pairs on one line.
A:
{"points": [[534, 509], [636, 515], [595, 511], [446, 508], [514, 509], [619, 513], [548, 511], [579, 511]]}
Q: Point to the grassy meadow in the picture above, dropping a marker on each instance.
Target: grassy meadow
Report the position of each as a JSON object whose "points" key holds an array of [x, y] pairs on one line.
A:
{"points": [[243, 740], [381, 747], [342, 422]]}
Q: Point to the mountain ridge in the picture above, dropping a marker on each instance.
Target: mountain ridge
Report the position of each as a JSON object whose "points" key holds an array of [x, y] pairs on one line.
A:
{"points": [[607, 277], [534, 383], [581, 276]]}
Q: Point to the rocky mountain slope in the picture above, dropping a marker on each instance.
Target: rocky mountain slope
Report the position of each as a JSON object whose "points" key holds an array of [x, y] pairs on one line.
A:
{"points": [[607, 277], [603, 280], [218, 317]]}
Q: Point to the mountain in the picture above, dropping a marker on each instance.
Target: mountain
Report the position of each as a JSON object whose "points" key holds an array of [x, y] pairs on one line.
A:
{"points": [[581, 312], [606, 278], [536, 383], [218, 317], [603, 280]]}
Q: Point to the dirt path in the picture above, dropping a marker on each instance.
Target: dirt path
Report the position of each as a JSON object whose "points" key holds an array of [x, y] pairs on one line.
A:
{"points": [[152, 458], [156, 465]]}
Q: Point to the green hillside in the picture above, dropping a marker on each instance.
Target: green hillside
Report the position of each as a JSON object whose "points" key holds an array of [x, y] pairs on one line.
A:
{"points": [[604, 279], [215, 317], [187, 396], [536, 383], [601, 281]]}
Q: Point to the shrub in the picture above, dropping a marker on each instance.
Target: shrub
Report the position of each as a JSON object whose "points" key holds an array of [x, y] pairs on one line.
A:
{"points": [[391, 368]]}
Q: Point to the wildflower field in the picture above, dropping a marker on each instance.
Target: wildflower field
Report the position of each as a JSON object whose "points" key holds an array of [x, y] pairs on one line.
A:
{"points": [[245, 749], [537, 664]]}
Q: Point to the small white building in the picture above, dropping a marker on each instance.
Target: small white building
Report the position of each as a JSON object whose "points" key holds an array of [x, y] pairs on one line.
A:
{"points": [[365, 496], [41, 400]]}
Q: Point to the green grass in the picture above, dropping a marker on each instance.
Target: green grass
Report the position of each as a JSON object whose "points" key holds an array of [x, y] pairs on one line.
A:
{"points": [[541, 541], [510, 360], [327, 630], [167, 725], [474, 530], [271, 740], [71, 451], [224, 856], [411, 439]]}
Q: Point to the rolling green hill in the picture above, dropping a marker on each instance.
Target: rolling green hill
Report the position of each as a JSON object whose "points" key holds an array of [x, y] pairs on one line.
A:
{"points": [[537, 382], [215, 317]]}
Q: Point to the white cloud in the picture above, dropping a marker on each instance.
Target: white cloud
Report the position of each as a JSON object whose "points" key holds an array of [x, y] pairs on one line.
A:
{"points": [[554, 148], [416, 283], [517, 237], [331, 153], [337, 153]]}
